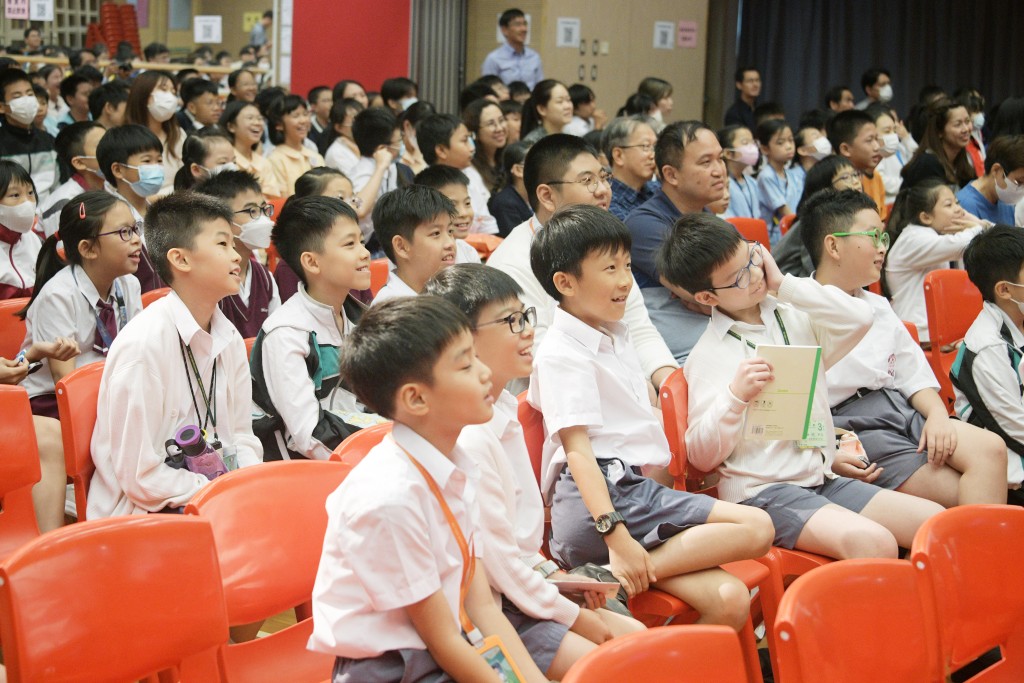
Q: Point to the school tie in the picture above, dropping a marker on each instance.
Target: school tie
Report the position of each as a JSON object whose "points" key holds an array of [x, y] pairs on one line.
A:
{"points": [[108, 319]]}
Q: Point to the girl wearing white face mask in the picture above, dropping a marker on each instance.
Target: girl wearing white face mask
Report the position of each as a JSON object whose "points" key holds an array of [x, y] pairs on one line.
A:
{"points": [[992, 197], [741, 157], [152, 102], [19, 246], [893, 158], [811, 147], [206, 153]]}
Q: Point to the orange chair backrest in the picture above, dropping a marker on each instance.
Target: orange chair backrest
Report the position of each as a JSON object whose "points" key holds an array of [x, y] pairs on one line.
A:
{"points": [[278, 204], [857, 620], [249, 343], [269, 523], [379, 269], [674, 408], [753, 229], [676, 654], [12, 328], [114, 600], [533, 431], [786, 222], [77, 397], [912, 329], [19, 469], [484, 244], [273, 258], [353, 449], [154, 295], [952, 303], [969, 558]]}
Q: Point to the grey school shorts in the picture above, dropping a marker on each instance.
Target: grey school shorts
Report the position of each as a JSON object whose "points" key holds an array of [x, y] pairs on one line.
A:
{"points": [[890, 429], [653, 513], [790, 506], [395, 666], [541, 637]]}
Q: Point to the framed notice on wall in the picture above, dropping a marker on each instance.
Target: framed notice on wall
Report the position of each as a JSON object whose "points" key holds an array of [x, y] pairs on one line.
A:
{"points": [[16, 9]]}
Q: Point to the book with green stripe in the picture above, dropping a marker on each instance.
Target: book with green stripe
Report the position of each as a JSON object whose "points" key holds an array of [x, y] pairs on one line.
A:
{"points": [[783, 408]]}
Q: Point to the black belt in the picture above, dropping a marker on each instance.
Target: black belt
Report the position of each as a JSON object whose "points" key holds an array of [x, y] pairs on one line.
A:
{"points": [[857, 395]]}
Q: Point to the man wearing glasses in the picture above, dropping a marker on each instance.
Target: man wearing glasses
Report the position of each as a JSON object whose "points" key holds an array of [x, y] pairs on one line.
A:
{"points": [[629, 147]]}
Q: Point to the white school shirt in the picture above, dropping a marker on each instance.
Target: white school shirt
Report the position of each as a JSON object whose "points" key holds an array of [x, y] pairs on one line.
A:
{"points": [[394, 288], [285, 348], [18, 262], [1018, 214], [813, 315], [339, 156], [512, 515], [886, 358], [918, 251], [388, 545], [998, 383], [889, 168], [579, 126], [360, 177], [583, 376], [144, 398], [479, 195], [66, 307], [513, 257], [50, 209], [465, 252]]}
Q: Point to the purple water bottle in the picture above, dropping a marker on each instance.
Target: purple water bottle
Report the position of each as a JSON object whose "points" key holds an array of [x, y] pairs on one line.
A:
{"points": [[199, 456]]}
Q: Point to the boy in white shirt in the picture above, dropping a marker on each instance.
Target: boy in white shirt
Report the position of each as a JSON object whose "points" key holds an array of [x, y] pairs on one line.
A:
{"points": [[884, 390], [986, 375], [812, 508], [179, 362], [396, 578], [602, 435], [453, 184], [414, 225]]}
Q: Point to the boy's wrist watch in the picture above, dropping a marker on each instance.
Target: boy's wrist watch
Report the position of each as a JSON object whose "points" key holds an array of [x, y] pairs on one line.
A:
{"points": [[605, 524]]}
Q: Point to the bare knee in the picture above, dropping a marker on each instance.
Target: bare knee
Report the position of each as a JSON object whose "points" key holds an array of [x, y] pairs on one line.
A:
{"points": [[870, 541], [762, 533], [730, 606]]}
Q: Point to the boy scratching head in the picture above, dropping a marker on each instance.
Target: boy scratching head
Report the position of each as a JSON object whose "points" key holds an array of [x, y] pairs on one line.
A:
{"points": [[582, 260], [845, 236], [453, 184], [414, 226], [853, 135], [444, 139], [995, 264]]}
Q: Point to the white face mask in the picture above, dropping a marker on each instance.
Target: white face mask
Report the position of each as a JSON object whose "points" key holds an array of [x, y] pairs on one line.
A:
{"points": [[24, 109], [1011, 193], [18, 218], [407, 102], [163, 106], [822, 149], [885, 93], [220, 168], [978, 120], [256, 234], [890, 143]]}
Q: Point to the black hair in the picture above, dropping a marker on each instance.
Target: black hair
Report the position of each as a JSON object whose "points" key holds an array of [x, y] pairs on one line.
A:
{"points": [[845, 126], [1008, 117], [194, 151], [970, 98], [339, 112], [185, 75], [994, 255], [401, 211], [394, 89], [911, 202], [672, 142], [1007, 151], [227, 185], [580, 94], [278, 109], [471, 286], [766, 111], [820, 176], [510, 156], [929, 93], [476, 91], [870, 77], [877, 110], [696, 245], [372, 128], [741, 71], [595, 138], [233, 80], [313, 182], [194, 88], [435, 130], [303, 225], [314, 93], [89, 73], [572, 234], [11, 173], [398, 342], [510, 106], [835, 94], [510, 15], [152, 50], [112, 93], [768, 128], [10, 77], [340, 86], [727, 136], [69, 86], [439, 176], [172, 222], [540, 95], [827, 212], [416, 112], [517, 89], [637, 104], [959, 169], [549, 159], [269, 14], [70, 143], [813, 118], [117, 144], [30, 29]]}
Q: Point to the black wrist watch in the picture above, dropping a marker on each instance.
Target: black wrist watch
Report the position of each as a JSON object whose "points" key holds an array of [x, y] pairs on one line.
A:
{"points": [[605, 524]]}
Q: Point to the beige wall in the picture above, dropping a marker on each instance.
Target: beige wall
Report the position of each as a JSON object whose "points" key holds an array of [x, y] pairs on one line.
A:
{"points": [[177, 41], [628, 30]]}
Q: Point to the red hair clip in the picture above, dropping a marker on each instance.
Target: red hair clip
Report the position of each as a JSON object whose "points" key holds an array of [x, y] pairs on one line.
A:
{"points": [[81, 210]]}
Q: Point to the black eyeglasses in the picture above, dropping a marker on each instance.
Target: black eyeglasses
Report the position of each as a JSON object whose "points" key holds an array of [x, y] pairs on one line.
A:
{"points": [[124, 232], [588, 181], [743, 277], [255, 211], [517, 321]]}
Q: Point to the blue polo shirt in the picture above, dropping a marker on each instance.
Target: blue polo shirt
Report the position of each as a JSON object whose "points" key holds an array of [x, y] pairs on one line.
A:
{"points": [[649, 224], [976, 203], [509, 65]]}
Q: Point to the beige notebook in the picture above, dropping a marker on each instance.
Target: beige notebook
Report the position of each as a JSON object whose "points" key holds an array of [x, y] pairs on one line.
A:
{"points": [[783, 408]]}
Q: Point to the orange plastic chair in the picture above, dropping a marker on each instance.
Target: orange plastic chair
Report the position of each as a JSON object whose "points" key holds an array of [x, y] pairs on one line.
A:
{"points": [[857, 620], [787, 222], [876, 288], [912, 329], [269, 523], [753, 229], [484, 244], [278, 204], [12, 328], [952, 303], [249, 342], [970, 561], [353, 449], [154, 295], [77, 396], [115, 600], [666, 654], [379, 270], [273, 258], [19, 470]]}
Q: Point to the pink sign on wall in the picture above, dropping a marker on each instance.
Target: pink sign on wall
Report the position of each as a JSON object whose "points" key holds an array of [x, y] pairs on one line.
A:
{"points": [[687, 35], [16, 9]]}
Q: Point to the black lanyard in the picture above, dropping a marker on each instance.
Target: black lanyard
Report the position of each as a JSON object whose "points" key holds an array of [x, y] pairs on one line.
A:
{"points": [[209, 399], [782, 326]]}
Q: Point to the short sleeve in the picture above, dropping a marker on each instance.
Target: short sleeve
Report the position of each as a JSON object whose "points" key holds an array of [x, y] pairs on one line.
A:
{"points": [[568, 392]]}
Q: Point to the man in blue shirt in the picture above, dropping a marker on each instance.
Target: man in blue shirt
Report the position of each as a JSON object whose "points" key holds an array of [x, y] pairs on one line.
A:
{"points": [[629, 147], [513, 61], [260, 34], [992, 196]]}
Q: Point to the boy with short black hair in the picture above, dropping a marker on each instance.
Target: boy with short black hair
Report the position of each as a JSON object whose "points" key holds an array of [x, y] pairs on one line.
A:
{"points": [[202, 106], [76, 152], [853, 135], [180, 362], [107, 104], [396, 576], [20, 141], [320, 99], [454, 185], [377, 135], [75, 91], [297, 390], [251, 225], [414, 226], [812, 509], [993, 196], [884, 390], [602, 433]]}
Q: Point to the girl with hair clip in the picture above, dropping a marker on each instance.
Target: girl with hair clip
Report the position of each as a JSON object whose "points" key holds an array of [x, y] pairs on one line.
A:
{"points": [[741, 156], [206, 153], [486, 122], [342, 152], [927, 229], [153, 103], [19, 245], [548, 111]]}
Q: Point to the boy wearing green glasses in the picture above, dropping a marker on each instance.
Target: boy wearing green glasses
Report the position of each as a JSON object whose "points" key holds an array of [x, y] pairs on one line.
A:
{"points": [[811, 507], [884, 390]]}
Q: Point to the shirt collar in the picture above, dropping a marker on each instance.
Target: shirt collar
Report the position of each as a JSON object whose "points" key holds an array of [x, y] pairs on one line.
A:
{"points": [[721, 322], [397, 283], [511, 51], [323, 313], [590, 338], [434, 462], [1015, 334], [221, 329], [506, 413], [86, 286], [293, 153]]}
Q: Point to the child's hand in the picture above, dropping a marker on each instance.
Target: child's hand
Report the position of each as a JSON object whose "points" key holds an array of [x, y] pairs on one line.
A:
{"points": [[595, 599], [848, 465], [772, 275], [939, 437], [383, 156], [591, 627], [751, 376], [968, 220], [11, 372], [60, 348], [631, 563]]}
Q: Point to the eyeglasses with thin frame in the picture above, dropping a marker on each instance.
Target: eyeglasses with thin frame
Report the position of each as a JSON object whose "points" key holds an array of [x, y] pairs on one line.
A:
{"points": [[496, 124], [846, 178], [743, 277], [517, 321], [125, 232], [255, 211], [588, 181], [879, 238], [645, 147]]}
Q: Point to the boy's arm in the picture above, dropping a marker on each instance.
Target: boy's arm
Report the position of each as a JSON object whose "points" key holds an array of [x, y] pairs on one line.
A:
{"points": [[924, 248], [631, 564], [938, 435], [382, 158], [432, 619], [249, 449]]}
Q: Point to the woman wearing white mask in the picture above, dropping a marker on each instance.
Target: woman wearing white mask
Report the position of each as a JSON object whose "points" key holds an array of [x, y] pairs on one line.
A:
{"points": [[19, 247], [893, 157], [153, 103], [741, 156], [205, 154]]}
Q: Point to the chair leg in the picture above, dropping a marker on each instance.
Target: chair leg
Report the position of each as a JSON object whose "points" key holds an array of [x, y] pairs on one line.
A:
{"points": [[751, 662], [303, 611]]}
